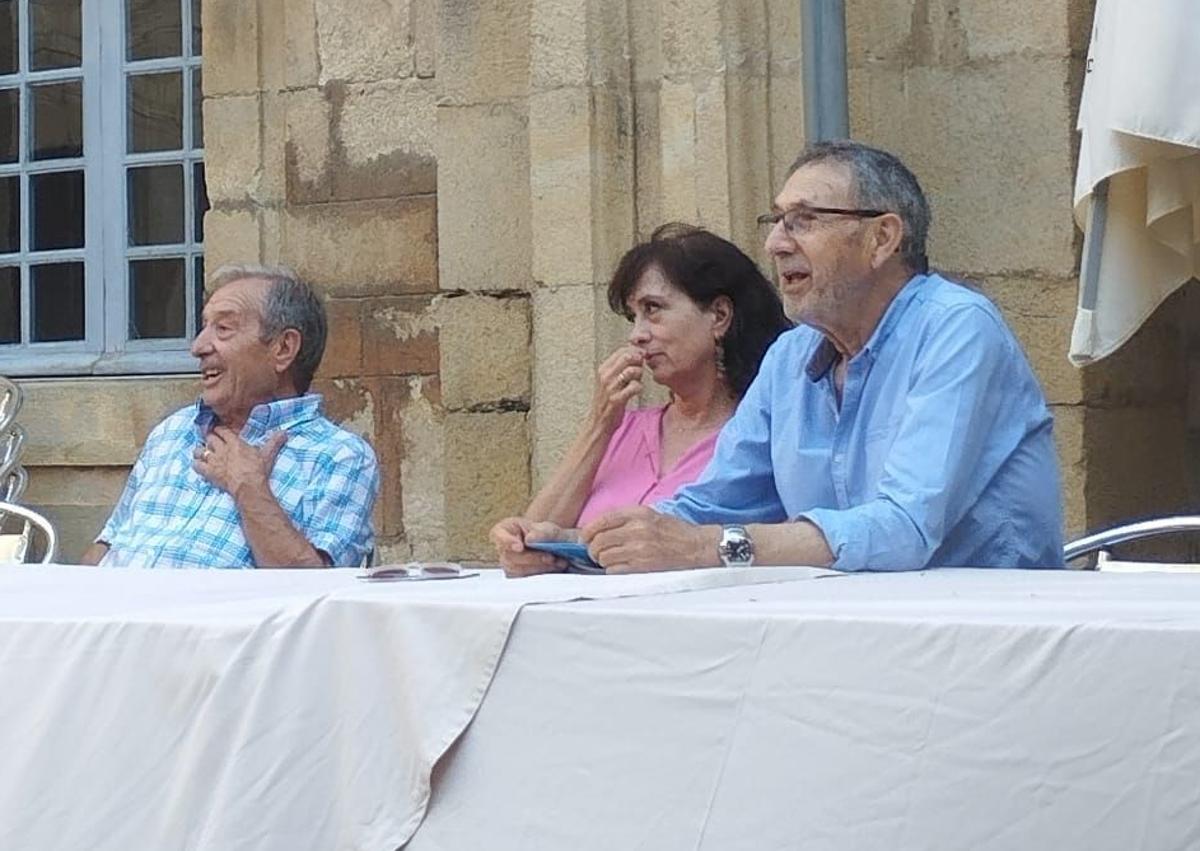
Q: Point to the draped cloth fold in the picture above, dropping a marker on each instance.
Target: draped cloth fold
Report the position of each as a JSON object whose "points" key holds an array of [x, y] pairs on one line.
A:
{"points": [[1137, 190]]}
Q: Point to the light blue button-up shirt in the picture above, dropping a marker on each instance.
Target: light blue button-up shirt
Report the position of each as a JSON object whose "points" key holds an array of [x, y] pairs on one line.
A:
{"points": [[940, 454]]}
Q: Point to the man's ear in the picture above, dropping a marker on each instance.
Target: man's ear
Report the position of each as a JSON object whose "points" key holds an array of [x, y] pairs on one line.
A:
{"points": [[886, 237], [721, 309], [285, 349]]}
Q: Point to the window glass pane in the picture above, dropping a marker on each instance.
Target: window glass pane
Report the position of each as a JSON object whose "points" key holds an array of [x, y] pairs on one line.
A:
{"points": [[10, 110], [10, 304], [156, 112], [156, 205], [156, 299], [8, 37], [155, 28], [201, 200], [197, 33], [57, 120], [197, 109], [56, 298], [10, 214], [55, 30], [57, 209]]}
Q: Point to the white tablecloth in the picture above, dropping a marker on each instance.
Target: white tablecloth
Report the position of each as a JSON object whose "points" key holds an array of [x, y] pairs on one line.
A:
{"points": [[942, 710], [232, 710]]}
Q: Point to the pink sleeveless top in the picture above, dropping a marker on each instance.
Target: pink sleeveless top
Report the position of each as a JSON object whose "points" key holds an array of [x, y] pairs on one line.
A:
{"points": [[629, 472]]}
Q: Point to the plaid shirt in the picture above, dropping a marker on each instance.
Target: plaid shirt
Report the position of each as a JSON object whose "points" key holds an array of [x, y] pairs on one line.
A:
{"points": [[325, 478]]}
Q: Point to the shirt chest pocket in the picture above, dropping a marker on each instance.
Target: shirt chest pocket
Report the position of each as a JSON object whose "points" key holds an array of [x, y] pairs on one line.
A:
{"points": [[290, 482], [170, 493]]}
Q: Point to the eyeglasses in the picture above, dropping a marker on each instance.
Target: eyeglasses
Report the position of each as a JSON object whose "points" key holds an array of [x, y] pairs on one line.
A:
{"points": [[800, 220]]}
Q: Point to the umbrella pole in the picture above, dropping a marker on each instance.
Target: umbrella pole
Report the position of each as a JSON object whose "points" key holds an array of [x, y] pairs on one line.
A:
{"points": [[1093, 246]]}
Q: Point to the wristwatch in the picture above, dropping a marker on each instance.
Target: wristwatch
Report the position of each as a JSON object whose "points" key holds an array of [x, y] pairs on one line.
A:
{"points": [[735, 549]]}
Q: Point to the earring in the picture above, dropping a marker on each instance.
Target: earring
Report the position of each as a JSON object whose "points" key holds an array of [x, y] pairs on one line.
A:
{"points": [[720, 357]]}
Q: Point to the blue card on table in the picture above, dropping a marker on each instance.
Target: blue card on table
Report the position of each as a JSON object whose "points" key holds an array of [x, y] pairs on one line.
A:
{"points": [[576, 555]]}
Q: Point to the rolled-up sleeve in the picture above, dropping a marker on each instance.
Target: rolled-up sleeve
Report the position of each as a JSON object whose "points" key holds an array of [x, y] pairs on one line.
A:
{"points": [[957, 430], [339, 518]]}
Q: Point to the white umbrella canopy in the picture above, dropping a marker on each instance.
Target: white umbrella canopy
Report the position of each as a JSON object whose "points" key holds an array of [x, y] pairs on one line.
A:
{"points": [[1137, 191]]}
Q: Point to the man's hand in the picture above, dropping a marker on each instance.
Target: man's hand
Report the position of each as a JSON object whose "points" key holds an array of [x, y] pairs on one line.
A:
{"points": [[509, 537], [93, 554], [244, 472], [640, 540], [234, 465]]}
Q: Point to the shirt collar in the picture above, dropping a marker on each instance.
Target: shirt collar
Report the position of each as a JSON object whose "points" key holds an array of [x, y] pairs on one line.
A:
{"points": [[821, 359], [825, 354], [276, 415]]}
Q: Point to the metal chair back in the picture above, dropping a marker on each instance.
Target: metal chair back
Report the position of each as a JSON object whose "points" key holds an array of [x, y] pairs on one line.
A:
{"points": [[1101, 542], [31, 521], [13, 478], [12, 488], [10, 401]]}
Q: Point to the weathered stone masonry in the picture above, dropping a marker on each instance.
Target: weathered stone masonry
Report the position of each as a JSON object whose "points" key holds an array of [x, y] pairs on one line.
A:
{"points": [[460, 177]]}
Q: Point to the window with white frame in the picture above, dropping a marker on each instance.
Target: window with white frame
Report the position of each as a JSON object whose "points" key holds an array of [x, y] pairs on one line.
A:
{"points": [[102, 193]]}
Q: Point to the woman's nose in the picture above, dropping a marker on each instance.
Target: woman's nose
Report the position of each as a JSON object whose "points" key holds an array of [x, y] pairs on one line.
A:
{"points": [[639, 333]]}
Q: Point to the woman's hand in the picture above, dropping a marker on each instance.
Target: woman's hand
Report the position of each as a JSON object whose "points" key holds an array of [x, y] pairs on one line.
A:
{"points": [[618, 380], [509, 537]]}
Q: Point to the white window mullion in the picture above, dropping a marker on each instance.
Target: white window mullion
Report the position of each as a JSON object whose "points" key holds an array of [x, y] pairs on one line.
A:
{"points": [[95, 191], [189, 170], [25, 201], [26, 231], [144, 66], [55, 75], [23, 37], [112, 206], [26, 313]]}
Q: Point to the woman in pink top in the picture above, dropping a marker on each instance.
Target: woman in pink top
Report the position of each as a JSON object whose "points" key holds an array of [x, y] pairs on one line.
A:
{"points": [[703, 317]]}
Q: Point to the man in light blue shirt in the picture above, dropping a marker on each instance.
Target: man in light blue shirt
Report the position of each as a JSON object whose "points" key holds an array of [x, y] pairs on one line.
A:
{"points": [[900, 427]]}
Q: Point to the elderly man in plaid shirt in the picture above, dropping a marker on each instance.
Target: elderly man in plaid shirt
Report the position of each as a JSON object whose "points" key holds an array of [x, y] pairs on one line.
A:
{"points": [[252, 474]]}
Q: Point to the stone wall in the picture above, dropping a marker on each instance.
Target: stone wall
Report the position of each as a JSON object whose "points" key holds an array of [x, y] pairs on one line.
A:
{"points": [[667, 110], [319, 125], [460, 177]]}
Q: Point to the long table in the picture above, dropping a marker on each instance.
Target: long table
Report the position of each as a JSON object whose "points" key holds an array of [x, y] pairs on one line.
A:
{"points": [[233, 710], [770, 708], [953, 709]]}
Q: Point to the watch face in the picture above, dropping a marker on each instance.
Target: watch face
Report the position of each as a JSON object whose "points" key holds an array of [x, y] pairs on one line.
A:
{"points": [[736, 547], [739, 550]]}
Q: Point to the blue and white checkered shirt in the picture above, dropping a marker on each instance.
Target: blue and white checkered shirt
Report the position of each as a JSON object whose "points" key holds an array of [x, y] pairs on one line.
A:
{"points": [[325, 478]]}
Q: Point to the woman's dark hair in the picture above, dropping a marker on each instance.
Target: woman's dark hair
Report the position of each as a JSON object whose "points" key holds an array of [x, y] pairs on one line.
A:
{"points": [[705, 267]]}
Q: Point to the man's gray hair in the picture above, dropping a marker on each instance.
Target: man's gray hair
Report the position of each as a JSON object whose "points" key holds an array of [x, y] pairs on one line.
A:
{"points": [[290, 303], [881, 182]]}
